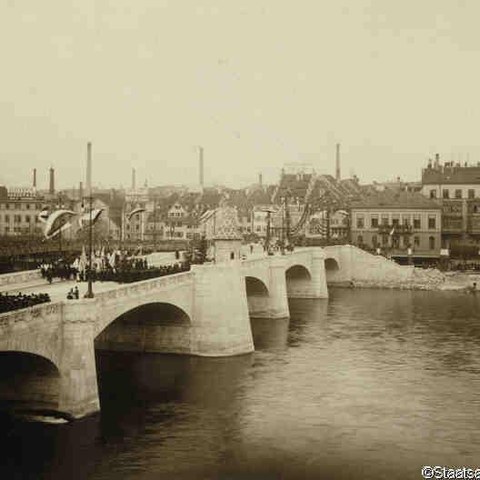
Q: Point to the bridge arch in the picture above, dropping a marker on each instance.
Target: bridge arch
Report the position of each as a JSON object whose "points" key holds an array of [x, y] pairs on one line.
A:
{"points": [[331, 265], [161, 327], [29, 383], [332, 269], [258, 297], [255, 287], [298, 279]]}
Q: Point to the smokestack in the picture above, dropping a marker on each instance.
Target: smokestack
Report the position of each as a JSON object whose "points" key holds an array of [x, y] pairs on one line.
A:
{"points": [[437, 160], [34, 178], [201, 166], [134, 185], [89, 169], [51, 188], [80, 191], [260, 179], [337, 163]]}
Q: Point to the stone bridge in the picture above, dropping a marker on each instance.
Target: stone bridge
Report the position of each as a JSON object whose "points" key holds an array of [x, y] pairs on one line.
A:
{"points": [[47, 352]]}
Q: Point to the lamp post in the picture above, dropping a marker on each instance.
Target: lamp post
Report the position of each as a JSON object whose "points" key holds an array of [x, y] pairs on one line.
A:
{"points": [[89, 293]]}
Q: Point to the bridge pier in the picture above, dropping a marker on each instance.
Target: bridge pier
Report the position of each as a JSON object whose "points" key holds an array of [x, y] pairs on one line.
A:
{"points": [[78, 381], [277, 300], [221, 325]]}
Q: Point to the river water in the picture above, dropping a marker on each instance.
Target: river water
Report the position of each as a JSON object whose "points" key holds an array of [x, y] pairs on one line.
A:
{"points": [[367, 385]]}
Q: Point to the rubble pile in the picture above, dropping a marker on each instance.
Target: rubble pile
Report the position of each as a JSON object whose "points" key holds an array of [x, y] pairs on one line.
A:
{"points": [[427, 279], [418, 279]]}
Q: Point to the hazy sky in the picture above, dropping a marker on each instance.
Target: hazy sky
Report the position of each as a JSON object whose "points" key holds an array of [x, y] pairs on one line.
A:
{"points": [[258, 83]]}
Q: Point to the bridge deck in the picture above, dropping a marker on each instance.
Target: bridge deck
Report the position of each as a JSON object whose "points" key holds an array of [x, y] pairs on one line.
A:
{"points": [[58, 289]]}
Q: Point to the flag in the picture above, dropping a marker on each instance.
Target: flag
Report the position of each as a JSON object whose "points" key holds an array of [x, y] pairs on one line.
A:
{"points": [[134, 212], [57, 222], [84, 220], [392, 231]]}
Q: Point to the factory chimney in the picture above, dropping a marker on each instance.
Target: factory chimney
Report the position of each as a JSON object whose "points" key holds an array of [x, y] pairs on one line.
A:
{"points": [[80, 191], [34, 178], [133, 179], [200, 166], [260, 179], [51, 189], [337, 163]]}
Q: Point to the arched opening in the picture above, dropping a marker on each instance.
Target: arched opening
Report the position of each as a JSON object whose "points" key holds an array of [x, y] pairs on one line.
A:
{"points": [[28, 383], [331, 265], [153, 327], [125, 375], [332, 270], [268, 333], [298, 281], [257, 297]]}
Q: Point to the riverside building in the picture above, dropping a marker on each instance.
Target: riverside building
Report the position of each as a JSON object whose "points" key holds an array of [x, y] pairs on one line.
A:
{"points": [[457, 188], [398, 224]]}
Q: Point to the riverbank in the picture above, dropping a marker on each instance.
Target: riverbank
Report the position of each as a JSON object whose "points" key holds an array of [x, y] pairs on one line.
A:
{"points": [[420, 279]]}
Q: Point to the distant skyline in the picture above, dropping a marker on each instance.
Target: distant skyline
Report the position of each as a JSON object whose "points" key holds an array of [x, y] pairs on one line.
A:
{"points": [[257, 83]]}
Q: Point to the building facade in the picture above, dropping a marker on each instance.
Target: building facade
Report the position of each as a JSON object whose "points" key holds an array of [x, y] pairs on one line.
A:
{"points": [[457, 188], [398, 224]]}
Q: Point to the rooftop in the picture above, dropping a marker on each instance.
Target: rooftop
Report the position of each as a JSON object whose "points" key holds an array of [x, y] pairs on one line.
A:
{"points": [[451, 173], [396, 199]]}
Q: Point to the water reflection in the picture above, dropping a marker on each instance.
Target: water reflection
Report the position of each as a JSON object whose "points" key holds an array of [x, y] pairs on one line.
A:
{"points": [[368, 385]]}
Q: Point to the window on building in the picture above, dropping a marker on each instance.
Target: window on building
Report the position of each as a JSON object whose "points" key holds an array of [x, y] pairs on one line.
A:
{"points": [[406, 241], [446, 193], [374, 221], [395, 220], [431, 243], [458, 193], [433, 194], [385, 239], [7, 218], [432, 222], [360, 221], [7, 229], [416, 222], [7, 206], [384, 220], [416, 241], [374, 240], [406, 220], [360, 240], [17, 218], [471, 193], [27, 218], [28, 206], [395, 242]]}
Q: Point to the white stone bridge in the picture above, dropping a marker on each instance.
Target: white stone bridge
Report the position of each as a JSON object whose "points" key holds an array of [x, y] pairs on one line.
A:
{"points": [[47, 352]]}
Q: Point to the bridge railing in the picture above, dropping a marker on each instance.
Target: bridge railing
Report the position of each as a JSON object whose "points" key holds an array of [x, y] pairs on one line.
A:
{"points": [[150, 284]]}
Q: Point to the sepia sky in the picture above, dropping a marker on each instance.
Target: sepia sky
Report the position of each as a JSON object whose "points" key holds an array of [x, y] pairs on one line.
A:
{"points": [[258, 83]]}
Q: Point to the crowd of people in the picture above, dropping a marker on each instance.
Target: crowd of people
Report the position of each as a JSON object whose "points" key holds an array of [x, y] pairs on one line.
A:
{"points": [[136, 272], [21, 300], [61, 270]]}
